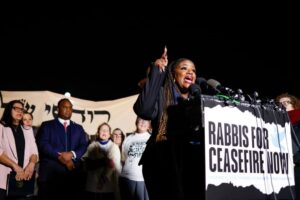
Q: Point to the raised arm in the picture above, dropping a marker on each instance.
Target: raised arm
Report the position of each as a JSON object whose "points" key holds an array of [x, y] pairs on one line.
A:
{"points": [[162, 62], [147, 103]]}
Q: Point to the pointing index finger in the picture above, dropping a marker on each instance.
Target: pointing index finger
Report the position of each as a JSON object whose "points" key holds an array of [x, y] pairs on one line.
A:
{"points": [[164, 55]]}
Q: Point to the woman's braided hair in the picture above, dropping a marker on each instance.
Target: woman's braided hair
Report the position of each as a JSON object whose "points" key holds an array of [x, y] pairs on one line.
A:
{"points": [[169, 84]]}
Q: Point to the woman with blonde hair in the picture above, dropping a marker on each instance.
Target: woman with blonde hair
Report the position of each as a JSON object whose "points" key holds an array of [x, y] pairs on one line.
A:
{"points": [[103, 164]]}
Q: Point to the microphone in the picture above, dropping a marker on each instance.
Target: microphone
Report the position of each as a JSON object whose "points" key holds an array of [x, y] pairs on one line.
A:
{"points": [[195, 89], [239, 95], [205, 88], [202, 83], [198, 87], [218, 87], [254, 99]]}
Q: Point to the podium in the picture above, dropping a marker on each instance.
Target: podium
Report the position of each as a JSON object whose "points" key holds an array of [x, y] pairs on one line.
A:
{"points": [[248, 151]]}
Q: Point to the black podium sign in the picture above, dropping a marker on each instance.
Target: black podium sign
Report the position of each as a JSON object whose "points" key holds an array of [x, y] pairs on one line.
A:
{"points": [[248, 151]]}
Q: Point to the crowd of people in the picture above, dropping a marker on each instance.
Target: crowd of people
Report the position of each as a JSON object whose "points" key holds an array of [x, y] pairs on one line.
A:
{"points": [[156, 161], [67, 165]]}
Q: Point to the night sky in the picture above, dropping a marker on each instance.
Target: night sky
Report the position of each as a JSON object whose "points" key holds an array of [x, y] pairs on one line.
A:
{"points": [[252, 50]]}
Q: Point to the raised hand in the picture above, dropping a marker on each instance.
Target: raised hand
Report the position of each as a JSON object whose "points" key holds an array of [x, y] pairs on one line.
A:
{"points": [[162, 62]]}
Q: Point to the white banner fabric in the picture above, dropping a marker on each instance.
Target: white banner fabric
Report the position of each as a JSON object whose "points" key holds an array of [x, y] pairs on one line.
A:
{"points": [[90, 114]]}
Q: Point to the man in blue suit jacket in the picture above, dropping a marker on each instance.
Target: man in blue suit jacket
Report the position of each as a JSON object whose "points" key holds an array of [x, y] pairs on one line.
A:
{"points": [[61, 144]]}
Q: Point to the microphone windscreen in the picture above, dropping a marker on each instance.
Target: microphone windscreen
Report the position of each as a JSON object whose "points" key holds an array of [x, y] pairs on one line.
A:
{"points": [[200, 81], [213, 83], [195, 89]]}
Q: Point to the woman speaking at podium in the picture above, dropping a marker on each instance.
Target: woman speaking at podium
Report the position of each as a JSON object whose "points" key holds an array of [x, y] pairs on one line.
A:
{"points": [[172, 161]]}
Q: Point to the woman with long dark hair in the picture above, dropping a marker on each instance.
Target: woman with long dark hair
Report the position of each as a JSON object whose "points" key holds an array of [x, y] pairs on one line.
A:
{"points": [[18, 150], [172, 163]]}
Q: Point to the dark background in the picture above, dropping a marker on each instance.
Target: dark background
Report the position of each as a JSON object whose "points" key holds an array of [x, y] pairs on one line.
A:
{"points": [[99, 54]]}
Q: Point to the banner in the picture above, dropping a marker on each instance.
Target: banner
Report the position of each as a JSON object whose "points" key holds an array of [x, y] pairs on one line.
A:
{"points": [[248, 152], [43, 105]]}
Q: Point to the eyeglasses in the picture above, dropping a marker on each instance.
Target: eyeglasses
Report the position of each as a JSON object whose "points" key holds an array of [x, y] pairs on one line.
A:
{"points": [[285, 102], [17, 109], [117, 135]]}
